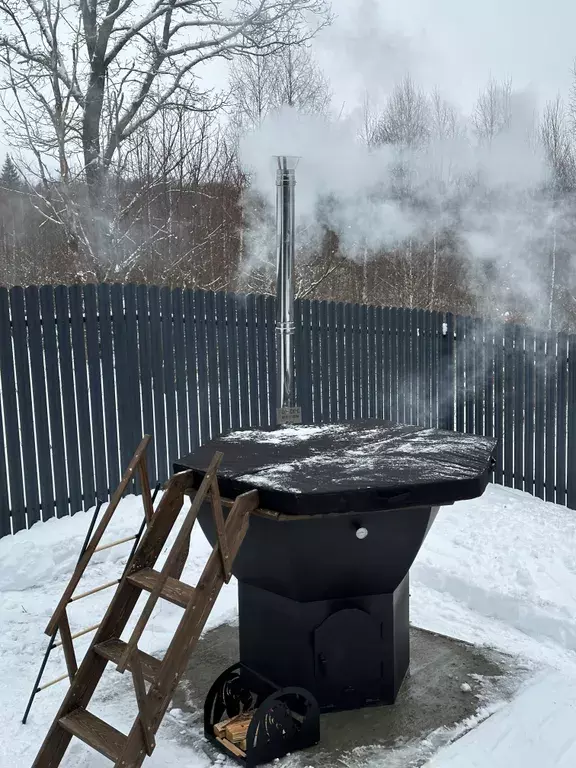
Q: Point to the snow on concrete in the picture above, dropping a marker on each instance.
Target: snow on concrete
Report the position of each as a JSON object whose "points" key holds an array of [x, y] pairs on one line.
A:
{"points": [[499, 570]]}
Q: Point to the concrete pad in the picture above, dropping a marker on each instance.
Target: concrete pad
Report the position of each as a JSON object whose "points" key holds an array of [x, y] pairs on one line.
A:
{"points": [[431, 709]]}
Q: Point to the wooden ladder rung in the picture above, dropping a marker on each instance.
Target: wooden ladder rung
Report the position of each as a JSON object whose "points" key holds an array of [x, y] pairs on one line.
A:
{"points": [[93, 591], [113, 650], [52, 682], [99, 735], [78, 634], [114, 544], [174, 591]]}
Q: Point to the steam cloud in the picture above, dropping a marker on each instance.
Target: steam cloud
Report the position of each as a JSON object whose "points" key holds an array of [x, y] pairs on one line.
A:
{"points": [[491, 196]]}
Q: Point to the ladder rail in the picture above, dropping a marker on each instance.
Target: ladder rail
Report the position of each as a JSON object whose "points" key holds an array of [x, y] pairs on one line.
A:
{"points": [[181, 541], [97, 536]]}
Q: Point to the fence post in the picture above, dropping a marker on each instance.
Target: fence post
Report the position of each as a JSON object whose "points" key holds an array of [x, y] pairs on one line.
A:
{"points": [[571, 489]]}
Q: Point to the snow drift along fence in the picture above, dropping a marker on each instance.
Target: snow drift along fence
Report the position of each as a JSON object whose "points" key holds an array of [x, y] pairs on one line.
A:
{"points": [[86, 370]]}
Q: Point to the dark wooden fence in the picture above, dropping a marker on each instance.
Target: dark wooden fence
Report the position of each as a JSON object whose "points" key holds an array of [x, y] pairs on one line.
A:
{"points": [[86, 370]]}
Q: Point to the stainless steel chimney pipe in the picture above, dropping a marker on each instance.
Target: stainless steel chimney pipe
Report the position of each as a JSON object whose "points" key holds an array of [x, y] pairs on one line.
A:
{"points": [[285, 325]]}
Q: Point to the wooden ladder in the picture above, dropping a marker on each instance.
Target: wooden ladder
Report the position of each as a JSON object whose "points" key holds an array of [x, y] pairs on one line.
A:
{"points": [[73, 717]]}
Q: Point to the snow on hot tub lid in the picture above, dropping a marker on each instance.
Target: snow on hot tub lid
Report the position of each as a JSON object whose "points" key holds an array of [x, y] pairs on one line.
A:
{"points": [[366, 463]]}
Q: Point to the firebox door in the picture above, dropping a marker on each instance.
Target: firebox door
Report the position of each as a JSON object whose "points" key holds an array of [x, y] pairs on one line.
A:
{"points": [[348, 659]]}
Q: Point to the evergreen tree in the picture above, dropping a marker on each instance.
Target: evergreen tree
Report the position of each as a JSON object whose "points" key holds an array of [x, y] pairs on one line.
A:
{"points": [[10, 177]]}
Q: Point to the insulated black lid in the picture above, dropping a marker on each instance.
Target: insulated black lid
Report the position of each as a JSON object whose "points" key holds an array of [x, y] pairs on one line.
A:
{"points": [[352, 466]]}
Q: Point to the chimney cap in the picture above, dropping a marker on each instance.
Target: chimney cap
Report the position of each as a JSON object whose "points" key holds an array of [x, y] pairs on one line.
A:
{"points": [[287, 162]]}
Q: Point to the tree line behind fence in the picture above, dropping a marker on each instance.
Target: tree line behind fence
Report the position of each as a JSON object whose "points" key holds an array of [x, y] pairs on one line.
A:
{"points": [[86, 370]]}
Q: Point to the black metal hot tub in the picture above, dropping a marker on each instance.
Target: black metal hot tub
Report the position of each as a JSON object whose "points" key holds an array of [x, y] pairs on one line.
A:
{"points": [[323, 572]]}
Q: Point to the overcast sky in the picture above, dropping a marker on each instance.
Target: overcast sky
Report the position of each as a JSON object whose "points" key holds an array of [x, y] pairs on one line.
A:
{"points": [[454, 44]]}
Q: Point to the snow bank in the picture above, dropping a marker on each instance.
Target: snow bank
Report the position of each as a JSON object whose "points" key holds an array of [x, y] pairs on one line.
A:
{"points": [[49, 551], [536, 730], [506, 557]]}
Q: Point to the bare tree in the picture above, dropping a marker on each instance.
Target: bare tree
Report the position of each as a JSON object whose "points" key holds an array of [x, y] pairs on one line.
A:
{"points": [[299, 82], [405, 121], [252, 82], [557, 142], [262, 84], [493, 111], [84, 76]]}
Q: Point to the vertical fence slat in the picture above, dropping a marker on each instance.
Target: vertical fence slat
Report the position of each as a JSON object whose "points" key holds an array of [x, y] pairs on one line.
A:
{"points": [[122, 374], [212, 353], [460, 383], [349, 344], [561, 399], [341, 353], [508, 405], [387, 388], [448, 373], [8, 374], [68, 398], [180, 372], [393, 349], [479, 376], [77, 322], [98, 425], [242, 320], [145, 375], [434, 329], [403, 363], [324, 356], [252, 360], [364, 367], [156, 353], [109, 386], [528, 437], [424, 370], [202, 362], [519, 416], [470, 374], [315, 359], [372, 362], [271, 355], [232, 351], [38, 376], [333, 362], [131, 320], [223, 361], [379, 332], [25, 407], [5, 527], [499, 401], [540, 426], [551, 447], [571, 489], [356, 352], [413, 367], [262, 354], [191, 367], [169, 377], [488, 373], [52, 368]]}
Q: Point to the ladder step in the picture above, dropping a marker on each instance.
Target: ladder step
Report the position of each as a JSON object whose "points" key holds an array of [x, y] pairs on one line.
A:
{"points": [[114, 649], [174, 591], [95, 732]]}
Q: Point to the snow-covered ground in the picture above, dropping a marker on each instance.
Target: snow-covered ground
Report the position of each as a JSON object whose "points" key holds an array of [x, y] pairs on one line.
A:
{"points": [[499, 571]]}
